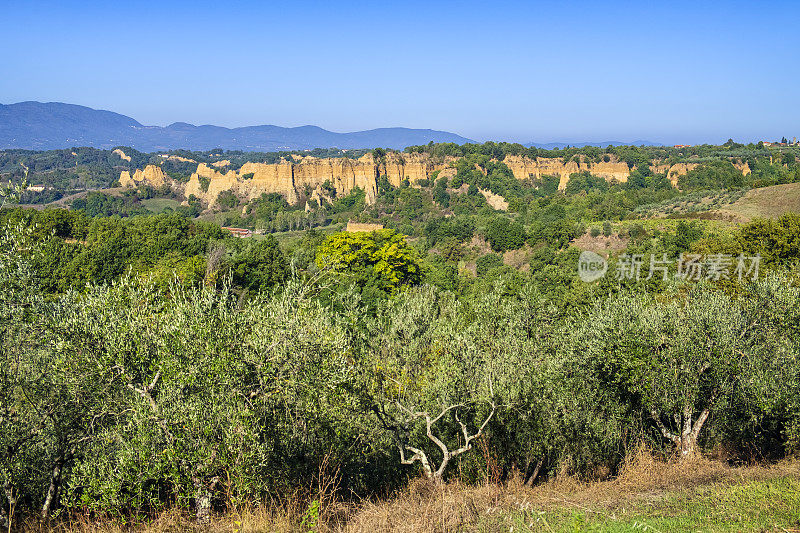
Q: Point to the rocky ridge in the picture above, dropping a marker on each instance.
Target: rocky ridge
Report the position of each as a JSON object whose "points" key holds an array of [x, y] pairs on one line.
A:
{"points": [[302, 178]]}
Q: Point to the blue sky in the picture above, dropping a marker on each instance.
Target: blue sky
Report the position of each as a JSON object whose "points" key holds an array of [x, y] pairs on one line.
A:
{"points": [[523, 71]]}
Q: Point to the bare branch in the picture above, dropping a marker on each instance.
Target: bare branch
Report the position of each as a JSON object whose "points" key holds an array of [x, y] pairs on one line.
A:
{"points": [[420, 456], [698, 424], [153, 383], [447, 455], [445, 411], [664, 431], [469, 438]]}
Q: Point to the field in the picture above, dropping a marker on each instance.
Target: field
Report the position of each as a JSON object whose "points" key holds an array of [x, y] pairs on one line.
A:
{"points": [[157, 205], [765, 202], [649, 495], [691, 204], [732, 206]]}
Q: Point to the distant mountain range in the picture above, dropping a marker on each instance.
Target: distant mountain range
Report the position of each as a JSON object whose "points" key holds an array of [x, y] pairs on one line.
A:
{"points": [[54, 125], [601, 144]]}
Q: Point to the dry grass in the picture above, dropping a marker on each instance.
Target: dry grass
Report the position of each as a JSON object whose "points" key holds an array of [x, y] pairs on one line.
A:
{"points": [[764, 202], [601, 244], [424, 507], [459, 508]]}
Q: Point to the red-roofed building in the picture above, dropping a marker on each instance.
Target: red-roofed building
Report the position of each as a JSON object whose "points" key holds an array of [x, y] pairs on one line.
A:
{"points": [[239, 232]]}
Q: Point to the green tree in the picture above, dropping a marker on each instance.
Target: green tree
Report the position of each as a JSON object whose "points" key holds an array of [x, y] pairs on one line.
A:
{"points": [[382, 258], [227, 199], [504, 234], [261, 266], [487, 262], [679, 362]]}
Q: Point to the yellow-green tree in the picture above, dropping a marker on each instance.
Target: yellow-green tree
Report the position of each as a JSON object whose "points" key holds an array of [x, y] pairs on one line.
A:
{"points": [[381, 258]]}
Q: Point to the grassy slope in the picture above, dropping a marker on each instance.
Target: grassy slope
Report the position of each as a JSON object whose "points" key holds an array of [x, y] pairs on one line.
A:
{"points": [[648, 496], [768, 505], [157, 205], [769, 202]]}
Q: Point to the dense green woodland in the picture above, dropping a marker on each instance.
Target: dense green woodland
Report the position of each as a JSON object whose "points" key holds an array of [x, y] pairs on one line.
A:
{"points": [[153, 361]]}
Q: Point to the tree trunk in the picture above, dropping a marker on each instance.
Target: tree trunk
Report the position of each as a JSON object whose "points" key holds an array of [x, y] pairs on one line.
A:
{"points": [[202, 497], [685, 439], [52, 490], [7, 520], [437, 476], [532, 477]]}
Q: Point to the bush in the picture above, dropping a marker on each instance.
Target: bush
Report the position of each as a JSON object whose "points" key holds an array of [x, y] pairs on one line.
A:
{"points": [[504, 234], [637, 231], [487, 262], [227, 199]]}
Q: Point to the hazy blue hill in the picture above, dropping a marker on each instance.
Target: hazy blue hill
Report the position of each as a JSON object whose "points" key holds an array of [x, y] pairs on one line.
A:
{"points": [[53, 125], [34, 125]]}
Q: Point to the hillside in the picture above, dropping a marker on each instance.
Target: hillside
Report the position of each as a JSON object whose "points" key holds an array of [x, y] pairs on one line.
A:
{"points": [[765, 202], [54, 125], [293, 176]]}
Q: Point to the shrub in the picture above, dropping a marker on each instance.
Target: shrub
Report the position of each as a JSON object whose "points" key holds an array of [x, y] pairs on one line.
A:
{"points": [[504, 234], [227, 199], [487, 262]]}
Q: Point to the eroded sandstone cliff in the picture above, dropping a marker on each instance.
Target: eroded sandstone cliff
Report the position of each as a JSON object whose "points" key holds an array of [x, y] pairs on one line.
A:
{"points": [[296, 180], [302, 178]]}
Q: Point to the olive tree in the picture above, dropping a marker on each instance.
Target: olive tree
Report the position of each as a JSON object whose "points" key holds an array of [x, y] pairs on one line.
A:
{"points": [[222, 399], [447, 372], [18, 303], [676, 359]]}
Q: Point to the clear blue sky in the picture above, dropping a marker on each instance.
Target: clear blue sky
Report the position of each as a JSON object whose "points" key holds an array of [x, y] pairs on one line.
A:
{"points": [[524, 71]]}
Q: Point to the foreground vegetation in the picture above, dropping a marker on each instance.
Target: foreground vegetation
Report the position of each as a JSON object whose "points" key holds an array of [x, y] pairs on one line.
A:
{"points": [[648, 495], [125, 400], [155, 366]]}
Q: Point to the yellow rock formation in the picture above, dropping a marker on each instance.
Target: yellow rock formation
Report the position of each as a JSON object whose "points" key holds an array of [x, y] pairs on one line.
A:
{"points": [[524, 168], [494, 200], [679, 169], [300, 178], [168, 157], [152, 175], [362, 227], [121, 155]]}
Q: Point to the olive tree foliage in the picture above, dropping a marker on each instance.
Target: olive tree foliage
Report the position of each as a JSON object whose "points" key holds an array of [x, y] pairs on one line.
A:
{"points": [[431, 384], [18, 427], [445, 373], [220, 399], [677, 363], [120, 400], [767, 406]]}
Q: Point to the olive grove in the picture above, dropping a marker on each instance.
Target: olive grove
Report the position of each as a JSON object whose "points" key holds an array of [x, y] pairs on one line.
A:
{"points": [[122, 399]]}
